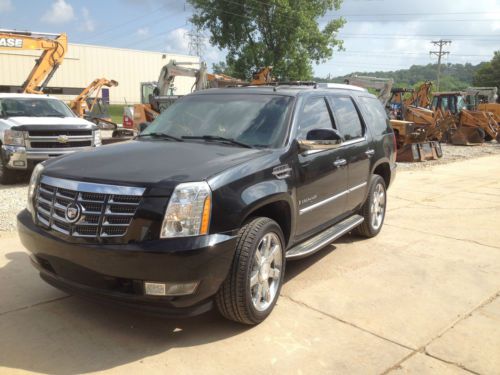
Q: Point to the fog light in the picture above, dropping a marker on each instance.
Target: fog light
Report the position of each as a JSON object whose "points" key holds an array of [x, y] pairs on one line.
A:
{"points": [[169, 289], [19, 163]]}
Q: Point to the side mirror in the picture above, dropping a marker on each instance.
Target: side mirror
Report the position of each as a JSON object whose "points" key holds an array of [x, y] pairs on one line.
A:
{"points": [[143, 126], [321, 139]]}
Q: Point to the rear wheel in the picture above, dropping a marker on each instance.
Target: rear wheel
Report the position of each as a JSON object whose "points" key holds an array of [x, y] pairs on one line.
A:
{"points": [[373, 210], [253, 284]]}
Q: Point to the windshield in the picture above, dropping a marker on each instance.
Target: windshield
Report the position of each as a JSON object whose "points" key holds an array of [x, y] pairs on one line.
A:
{"points": [[34, 107], [254, 120]]}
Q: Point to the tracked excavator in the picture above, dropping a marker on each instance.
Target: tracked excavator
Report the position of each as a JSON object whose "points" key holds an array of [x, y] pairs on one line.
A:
{"points": [[412, 140], [54, 47], [88, 103]]}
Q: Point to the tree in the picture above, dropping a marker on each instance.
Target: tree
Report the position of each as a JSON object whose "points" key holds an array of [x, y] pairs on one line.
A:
{"points": [[284, 34], [489, 74]]}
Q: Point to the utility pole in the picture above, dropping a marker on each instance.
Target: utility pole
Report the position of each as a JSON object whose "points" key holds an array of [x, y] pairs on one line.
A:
{"points": [[196, 42], [439, 43]]}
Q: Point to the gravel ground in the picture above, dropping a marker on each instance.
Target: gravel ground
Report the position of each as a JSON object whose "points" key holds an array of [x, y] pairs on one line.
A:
{"points": [[455, 153], [13, 197]]}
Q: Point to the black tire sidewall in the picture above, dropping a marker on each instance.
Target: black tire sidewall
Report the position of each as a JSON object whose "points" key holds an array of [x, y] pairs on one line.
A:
{"points": [[270, 226]]}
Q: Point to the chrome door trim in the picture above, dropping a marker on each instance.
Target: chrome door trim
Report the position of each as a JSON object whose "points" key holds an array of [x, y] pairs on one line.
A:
{"points": [[91, 187], [330, 199]]}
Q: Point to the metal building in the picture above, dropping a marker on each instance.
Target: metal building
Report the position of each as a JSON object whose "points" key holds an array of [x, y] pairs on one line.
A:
{"points": [[83, 63]]}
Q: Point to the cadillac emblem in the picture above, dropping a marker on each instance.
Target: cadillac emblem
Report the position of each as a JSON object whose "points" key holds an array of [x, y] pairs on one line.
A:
{"points": [[62, 139], [73, 212]]}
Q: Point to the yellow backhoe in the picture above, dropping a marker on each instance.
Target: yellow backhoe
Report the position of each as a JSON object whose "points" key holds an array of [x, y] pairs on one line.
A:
{"points": [[471, 127], [415, 142], [54, 47]]}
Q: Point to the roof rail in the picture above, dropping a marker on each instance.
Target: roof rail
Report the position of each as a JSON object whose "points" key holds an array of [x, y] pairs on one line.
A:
{"points": [[340, 86]]}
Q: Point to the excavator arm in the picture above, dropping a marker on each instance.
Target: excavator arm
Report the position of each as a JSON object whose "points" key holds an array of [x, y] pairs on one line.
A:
{"points": [[79, 105], [383, 86], [52, 56]]}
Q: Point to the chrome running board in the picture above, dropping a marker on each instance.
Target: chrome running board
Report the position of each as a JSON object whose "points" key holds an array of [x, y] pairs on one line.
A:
{"points": [[324, 238]]}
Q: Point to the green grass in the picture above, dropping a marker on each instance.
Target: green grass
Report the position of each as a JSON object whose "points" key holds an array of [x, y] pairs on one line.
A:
{"points": [[116, 113]]}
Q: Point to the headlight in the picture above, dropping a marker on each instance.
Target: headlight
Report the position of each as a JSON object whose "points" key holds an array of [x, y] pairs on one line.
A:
{"points": [[97, 138], [14, 138], [35, 179], [188, 211]]}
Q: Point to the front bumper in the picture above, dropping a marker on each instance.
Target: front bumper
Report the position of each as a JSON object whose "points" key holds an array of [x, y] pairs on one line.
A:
{"points": [[117, 272], [18, 157]]}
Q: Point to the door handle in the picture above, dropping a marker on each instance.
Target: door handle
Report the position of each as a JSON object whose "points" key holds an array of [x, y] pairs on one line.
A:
{"points": [[370, 153], [339, 162]]}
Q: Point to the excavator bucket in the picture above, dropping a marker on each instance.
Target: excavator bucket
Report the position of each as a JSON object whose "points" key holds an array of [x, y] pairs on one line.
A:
{"points": [[467, 136], [420, 151]]}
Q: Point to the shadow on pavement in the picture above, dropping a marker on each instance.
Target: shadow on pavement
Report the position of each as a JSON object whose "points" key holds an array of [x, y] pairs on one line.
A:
{"points": [[72, 335]]}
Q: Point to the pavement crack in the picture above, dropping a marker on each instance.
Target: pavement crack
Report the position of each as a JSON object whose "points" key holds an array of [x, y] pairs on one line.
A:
{"points": [[345, 322], [452, 363], [34, 305]]}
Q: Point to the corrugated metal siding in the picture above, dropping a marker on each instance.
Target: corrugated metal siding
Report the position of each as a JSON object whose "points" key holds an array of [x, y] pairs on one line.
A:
{"points": [[84, 63]]}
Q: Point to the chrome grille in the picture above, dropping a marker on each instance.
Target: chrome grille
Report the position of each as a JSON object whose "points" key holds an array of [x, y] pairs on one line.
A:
{"points": [[104, 210], [59, 139]]}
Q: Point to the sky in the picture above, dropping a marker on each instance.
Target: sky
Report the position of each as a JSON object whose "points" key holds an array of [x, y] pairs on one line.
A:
{"points": [[380, 35]]}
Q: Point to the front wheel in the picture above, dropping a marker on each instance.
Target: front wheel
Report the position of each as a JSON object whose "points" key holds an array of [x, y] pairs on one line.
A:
{"points": [[373, 210], [250, 291]]}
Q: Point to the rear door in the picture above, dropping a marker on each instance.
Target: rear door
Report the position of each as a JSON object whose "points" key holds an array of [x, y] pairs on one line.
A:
{"points": [[355, 147], [321, 175]]}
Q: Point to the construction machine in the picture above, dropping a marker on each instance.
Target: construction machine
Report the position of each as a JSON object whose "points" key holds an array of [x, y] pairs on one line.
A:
{"points": [[471, 127], [484, 99], [88, 104], [413, 141], [54, 47], [159, 95]]}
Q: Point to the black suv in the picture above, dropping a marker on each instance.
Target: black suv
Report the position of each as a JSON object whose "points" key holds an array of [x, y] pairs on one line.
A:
{"points": [[209, 202]]}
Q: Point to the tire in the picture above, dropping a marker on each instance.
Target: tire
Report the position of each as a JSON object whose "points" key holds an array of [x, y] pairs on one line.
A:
{"points": [[371, 227], [7, 176], [239, 299]]}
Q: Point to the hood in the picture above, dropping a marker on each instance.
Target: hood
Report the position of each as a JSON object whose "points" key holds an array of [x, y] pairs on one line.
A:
{"points": [[27, 123], [150, 163]]}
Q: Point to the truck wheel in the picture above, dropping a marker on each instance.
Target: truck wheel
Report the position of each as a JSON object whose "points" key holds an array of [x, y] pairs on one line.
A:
{"points": [[373, 209], [7, 176], [250, 291]]}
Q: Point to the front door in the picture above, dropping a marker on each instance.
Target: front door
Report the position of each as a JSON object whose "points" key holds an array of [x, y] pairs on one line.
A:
{"points": [[321, 175]]}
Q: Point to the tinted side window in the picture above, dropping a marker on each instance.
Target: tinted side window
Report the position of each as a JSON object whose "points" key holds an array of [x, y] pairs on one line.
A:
{"points": [[346, 117], [314, 115], [375, 115]]}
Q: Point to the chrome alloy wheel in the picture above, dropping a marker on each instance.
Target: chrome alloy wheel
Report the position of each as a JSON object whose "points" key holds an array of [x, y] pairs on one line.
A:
{"points": [[378, 206], [265, 275]]}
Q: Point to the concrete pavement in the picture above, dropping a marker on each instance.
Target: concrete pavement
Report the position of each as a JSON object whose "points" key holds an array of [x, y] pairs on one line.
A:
{"points": [[421, 298]]}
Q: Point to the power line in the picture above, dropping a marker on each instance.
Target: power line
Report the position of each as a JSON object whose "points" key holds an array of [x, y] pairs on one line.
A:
{"points": [[440, 43]]}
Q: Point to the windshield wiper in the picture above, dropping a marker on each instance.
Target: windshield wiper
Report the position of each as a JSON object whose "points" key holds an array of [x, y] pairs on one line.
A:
{"points": [[161, 135], [217, 138]]}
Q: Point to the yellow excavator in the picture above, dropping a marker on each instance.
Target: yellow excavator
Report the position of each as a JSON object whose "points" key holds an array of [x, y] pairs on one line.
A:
{"points": [[54, 47], [88, 104]]}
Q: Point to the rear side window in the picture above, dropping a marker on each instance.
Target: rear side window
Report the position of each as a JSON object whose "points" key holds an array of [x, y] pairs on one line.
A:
{"points": [[314, 115], [346, 117], [375, 115]]}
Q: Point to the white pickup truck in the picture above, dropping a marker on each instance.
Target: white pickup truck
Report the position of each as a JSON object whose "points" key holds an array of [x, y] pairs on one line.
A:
{"points": [[34, 128]]}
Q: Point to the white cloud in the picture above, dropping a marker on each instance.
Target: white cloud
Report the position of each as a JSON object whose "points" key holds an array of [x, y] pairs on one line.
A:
{"points": [[88, 23], [391, 34], [5, 6], [177, 41], [60, 12], [142, 31]]}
